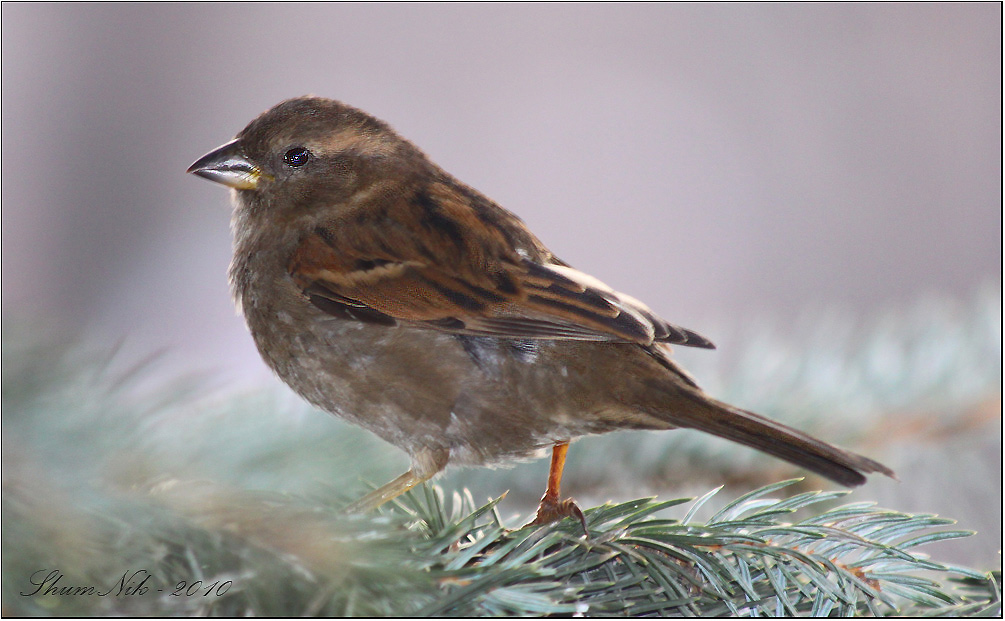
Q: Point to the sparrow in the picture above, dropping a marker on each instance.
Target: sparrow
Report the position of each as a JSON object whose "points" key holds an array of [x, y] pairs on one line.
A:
{"points": [[384, 291]]}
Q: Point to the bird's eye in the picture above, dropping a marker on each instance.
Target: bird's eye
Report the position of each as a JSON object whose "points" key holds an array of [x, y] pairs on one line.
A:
{"points": [[297, 157]]}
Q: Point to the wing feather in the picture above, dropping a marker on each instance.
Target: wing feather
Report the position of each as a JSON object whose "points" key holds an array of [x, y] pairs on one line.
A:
{"points": [[482, 277]]}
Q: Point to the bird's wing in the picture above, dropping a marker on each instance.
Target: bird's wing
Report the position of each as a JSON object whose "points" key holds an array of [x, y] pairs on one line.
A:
{"points": [[447, 262]]}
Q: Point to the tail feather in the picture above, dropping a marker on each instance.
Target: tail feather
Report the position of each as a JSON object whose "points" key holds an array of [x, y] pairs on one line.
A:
{"points": [[774, 438]]}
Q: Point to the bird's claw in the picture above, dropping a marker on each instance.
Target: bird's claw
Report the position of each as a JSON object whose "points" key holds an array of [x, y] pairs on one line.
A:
{"points": [[552, 509]]}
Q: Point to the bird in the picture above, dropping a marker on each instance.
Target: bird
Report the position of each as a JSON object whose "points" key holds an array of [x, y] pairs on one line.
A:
{"points": [[383, 290]]}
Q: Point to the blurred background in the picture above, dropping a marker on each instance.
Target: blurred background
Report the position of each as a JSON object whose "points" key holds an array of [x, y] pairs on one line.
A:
{"points": [[714, 161], [794, 181]]}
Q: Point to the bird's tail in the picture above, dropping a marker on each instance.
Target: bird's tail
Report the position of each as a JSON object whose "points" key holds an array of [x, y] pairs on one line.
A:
{"points": [[698, 411]]}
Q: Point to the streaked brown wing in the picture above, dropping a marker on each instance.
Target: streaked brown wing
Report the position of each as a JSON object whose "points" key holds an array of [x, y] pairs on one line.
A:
{"points": [[473, 281]]}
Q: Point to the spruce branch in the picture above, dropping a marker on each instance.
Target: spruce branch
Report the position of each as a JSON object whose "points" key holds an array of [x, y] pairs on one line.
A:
{"points": [[747, 560], [104, 478]]}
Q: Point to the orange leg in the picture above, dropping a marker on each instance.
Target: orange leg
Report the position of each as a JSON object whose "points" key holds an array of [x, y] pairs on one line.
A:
{"points": [[552, 507]]}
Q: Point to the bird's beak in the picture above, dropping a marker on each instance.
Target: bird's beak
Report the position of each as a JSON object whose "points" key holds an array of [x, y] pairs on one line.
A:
{"points": [[230, 166]]}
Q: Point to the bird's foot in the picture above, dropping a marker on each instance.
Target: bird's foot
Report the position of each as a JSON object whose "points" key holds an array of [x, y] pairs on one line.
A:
{"points": [[553, 509]]}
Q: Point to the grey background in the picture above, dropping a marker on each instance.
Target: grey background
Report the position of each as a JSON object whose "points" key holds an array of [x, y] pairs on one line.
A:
{"points": [[723, 163], [718, 162]]}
